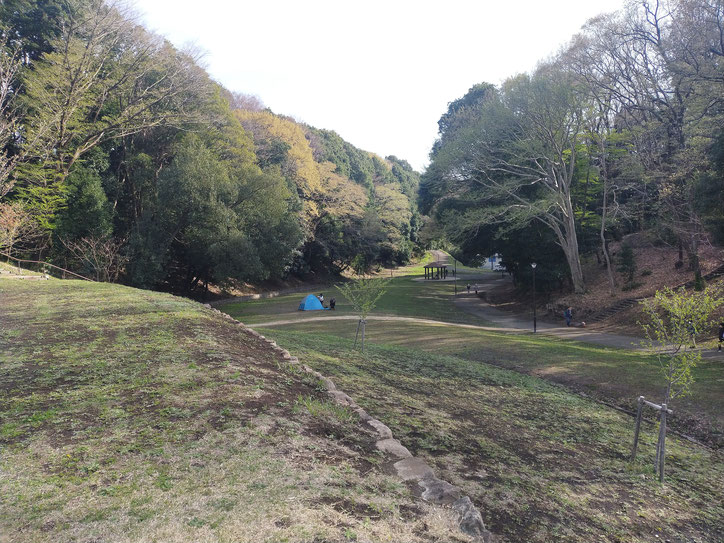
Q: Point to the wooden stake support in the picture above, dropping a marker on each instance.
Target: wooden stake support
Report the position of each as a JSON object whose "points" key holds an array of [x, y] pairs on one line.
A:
{"points": [[661, 443]]}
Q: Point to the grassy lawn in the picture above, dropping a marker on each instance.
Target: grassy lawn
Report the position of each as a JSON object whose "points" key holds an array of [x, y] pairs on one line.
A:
{"points": [[613, 375], [405, 298], [541, 463], [128, 415]]}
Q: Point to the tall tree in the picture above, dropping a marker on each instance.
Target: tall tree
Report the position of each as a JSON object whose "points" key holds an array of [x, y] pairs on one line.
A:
{"points": [[105, 78], [11, 63], [515, 156]]}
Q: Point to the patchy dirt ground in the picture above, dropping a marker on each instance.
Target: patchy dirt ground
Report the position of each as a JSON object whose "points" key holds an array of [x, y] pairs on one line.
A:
{"points": [[129, 416], [542, 464]]}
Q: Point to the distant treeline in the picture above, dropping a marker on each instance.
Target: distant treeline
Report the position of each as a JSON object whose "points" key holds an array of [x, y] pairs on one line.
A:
{"points": [[120, 158], [621, 131]]}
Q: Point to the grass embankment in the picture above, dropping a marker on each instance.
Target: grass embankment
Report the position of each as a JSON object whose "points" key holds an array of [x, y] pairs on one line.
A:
{"points": [[614, 375], [7, 267], [135, 416], [543, 464]]}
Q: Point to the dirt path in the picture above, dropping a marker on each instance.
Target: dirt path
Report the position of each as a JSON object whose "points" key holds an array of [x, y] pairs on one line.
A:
{"points": [[509, 325], [501, 320]]}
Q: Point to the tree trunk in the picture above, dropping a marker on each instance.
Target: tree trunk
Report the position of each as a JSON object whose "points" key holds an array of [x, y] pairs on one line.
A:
{"points": [[604, 214], [570, 248]]}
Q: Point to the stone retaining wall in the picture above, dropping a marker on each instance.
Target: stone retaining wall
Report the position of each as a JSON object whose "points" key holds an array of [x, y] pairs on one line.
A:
{"points": [[409, 468]]}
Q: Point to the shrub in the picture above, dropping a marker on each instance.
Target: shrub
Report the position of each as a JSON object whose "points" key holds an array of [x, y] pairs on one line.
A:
{"points": [[631, 286], [627, 262]]}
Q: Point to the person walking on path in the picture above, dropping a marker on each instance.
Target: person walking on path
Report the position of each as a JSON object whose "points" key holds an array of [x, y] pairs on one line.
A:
{"points": [[468, 288], [568, 315], [721, 334]]}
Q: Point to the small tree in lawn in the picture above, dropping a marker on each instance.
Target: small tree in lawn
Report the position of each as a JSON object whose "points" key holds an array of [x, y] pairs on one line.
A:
{"points": [[363, 294], [674, 319]]}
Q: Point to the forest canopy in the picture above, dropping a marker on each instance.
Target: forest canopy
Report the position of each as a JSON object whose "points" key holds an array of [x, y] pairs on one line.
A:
{"points": [[619, 132], [121, 159]]}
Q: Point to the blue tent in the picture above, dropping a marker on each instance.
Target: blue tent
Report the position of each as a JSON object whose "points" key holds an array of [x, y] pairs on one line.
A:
{"points": [[310, 303]]}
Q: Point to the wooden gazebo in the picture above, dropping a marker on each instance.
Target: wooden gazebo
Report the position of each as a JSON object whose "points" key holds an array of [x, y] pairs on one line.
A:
{"points": [[436, 270]]}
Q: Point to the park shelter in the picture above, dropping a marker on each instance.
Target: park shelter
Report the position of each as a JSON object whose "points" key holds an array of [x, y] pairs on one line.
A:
{"points": [[311, 303], [436, 270]]}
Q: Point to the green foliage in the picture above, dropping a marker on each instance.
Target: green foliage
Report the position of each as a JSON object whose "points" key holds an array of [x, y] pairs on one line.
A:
{"points": [[35, 23], [674, 319], [126, 140], [86, 212], [43, 202], [215, 222], [363, 294], [359, 264]]}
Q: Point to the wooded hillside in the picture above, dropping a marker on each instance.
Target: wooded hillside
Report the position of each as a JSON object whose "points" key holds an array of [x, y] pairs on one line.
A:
{"points": [[619, 132], [122, 160]]}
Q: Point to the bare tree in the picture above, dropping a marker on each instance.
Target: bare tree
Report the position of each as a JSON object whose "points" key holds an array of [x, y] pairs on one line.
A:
{"points": [[249, 102], [107, 78], [101, 256], [17, 226], [11, 62], [657, 60]]}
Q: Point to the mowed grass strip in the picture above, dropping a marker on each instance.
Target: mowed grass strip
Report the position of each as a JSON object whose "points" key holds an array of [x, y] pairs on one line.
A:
{"points": [[131, 416], [543, 464], [617, 376]]}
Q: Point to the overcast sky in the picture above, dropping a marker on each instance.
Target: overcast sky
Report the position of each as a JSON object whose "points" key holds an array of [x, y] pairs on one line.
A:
{"points": [[379, 73]]}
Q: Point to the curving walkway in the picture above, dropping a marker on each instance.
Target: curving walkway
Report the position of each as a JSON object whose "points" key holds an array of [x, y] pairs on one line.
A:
{"points": [[500, 320], [510, 326]]}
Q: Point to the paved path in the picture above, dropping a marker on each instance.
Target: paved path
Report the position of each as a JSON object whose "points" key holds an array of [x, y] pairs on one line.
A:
{"points": [[475, 305], [510, 326], [383, 318]]}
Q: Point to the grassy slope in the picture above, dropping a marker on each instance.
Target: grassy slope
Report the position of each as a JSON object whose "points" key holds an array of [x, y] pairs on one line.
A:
{"points": [[543, 464], [614, 375], [134, 416]]}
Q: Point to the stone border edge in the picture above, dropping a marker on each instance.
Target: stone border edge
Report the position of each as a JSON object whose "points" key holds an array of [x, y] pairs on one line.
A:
{"points": [[409, 468]]}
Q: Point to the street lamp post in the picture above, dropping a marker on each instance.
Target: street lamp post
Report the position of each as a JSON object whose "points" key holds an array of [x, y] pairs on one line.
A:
{"points": [[533, 265]]}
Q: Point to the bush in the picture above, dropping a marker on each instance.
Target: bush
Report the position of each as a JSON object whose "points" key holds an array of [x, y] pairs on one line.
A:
{"points": [[699, 283], [627, 262], [630, 286]]}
